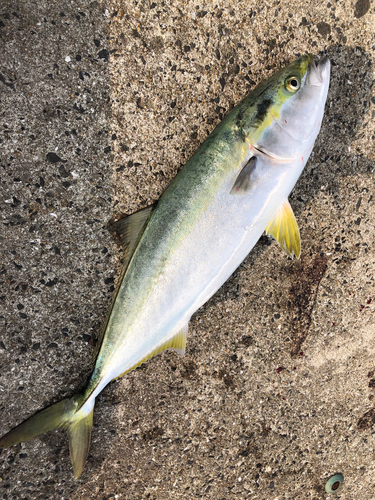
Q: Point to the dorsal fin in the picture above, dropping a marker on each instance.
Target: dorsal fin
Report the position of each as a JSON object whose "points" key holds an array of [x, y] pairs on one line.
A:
{"points": [[129, 229], [284, 228]]}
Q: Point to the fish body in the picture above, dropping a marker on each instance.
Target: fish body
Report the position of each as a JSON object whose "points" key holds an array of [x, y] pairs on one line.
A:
{"points": [[182, 250]]}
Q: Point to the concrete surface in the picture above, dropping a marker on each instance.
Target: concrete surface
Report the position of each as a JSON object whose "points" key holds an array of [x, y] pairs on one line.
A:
{"points": [[101, 103]]}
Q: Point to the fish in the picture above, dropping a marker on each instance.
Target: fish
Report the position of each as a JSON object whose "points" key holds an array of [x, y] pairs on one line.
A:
{"points": [[180, 250]]}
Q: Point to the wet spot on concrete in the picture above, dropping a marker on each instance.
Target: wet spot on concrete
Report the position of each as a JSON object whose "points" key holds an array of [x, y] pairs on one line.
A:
{"points": [[361, 8], [247, 341], [157, 44], [324, 29], [303, 292], [367, 420], [227, 379], [153, 434], [251, 449], [189, 369], [8, 84]]}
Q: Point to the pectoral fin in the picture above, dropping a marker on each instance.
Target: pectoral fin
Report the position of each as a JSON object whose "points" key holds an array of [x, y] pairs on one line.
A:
{"points": [[284, 228], [243, 182]]}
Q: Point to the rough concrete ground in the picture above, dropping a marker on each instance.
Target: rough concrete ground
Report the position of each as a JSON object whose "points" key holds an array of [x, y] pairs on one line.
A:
{"points": [[101, 103]]}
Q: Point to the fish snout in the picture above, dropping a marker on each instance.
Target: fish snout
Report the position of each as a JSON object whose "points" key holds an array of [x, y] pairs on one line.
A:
{"points": [[324, 68], [318, 74]]}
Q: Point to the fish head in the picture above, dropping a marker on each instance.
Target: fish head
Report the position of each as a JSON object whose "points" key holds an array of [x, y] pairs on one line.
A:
{"points": [[289, 109]]}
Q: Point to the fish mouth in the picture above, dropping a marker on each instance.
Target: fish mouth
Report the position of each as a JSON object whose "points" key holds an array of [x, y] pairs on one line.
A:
{"points": [[318, 73]]}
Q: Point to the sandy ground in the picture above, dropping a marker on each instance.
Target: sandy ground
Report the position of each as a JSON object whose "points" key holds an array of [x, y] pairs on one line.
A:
{"points": [[101, 103]]}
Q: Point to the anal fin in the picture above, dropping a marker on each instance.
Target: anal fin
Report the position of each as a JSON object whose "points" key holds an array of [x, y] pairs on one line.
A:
{"points": [[176, 343], [284, 228]]}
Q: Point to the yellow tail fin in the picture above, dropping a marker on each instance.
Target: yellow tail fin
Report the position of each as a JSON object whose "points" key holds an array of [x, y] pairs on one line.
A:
{"points": [[79, 434], [67, 413]]}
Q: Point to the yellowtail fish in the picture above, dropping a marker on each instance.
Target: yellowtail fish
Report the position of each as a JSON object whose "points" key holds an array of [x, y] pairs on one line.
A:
{"points": [[182, 249]]}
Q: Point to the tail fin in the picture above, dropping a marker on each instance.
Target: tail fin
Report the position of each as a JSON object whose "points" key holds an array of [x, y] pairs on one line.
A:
{"points": [[68, 413], [79, 434]]}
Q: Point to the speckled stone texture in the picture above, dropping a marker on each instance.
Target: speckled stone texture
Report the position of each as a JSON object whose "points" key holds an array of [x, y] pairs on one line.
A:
{"points": [[101, 103]]}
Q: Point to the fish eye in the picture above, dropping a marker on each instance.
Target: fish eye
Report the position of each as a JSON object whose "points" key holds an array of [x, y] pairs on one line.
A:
{"points": [[292, 83]]}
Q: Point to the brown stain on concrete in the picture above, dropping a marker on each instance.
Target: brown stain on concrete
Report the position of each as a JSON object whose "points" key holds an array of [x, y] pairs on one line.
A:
{"points": [[303, 292], [367, 420]]}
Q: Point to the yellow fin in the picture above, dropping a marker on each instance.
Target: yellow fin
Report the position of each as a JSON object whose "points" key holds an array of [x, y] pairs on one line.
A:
{"points": [[284, 228], [177, 343], [79, 435]]}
